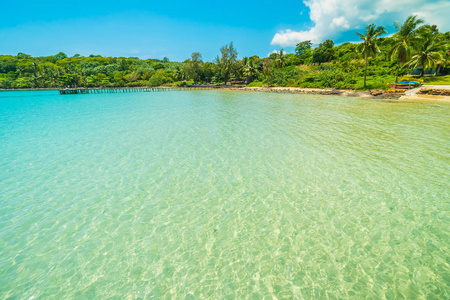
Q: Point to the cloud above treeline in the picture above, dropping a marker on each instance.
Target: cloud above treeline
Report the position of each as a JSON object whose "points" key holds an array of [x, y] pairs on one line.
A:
{"points": [[331, 18]]}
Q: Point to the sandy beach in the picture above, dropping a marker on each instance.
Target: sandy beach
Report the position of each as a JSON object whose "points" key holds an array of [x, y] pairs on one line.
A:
{"points": [[412, 94], [328, 91]]}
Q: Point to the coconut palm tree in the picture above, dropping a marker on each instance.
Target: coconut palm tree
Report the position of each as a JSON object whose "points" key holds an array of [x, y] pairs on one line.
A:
{"points": [[267, 70], [402, 41], [427, 53], [250, 70], [369, 45], [280, 59]]}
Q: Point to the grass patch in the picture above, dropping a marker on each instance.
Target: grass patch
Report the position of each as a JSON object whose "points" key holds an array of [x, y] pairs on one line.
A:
{"points": [[256, 84], [375, 83], [438, 80]]}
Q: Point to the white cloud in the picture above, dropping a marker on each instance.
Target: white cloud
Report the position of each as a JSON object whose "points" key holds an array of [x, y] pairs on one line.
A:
{"points": [[341, 22], [333, 17], [291, 38]]}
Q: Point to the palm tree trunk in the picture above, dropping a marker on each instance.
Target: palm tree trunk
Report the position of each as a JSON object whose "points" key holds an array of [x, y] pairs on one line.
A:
{"points": [[396, 76], [365, 71]]}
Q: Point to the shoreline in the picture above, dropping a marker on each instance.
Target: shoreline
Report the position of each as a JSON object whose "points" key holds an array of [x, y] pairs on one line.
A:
{"points": [[327, 91], [287, 90], [409, 95]]}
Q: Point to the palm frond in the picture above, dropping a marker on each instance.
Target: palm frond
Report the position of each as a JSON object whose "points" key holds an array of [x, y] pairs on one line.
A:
{"points": [[361, 36]]}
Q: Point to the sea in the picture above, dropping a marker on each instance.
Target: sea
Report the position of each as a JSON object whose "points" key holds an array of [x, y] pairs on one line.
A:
{"points": [[223, 195]]}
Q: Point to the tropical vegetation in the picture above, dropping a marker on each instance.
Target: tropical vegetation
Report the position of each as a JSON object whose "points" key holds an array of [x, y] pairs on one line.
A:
{"points": [[377, 62]]}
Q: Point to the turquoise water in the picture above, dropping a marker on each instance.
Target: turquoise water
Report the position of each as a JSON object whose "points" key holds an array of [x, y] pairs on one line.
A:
{"points": [[222, 195]]}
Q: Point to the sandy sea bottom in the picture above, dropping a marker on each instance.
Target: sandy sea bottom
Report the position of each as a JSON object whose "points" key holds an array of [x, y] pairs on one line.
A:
{"points": [[222, 195]]}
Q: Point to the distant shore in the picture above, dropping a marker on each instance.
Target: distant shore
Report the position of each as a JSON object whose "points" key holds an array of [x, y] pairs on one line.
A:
{"points": [[374, 94]]}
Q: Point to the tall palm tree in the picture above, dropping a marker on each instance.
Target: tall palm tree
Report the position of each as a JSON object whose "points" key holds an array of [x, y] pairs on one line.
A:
{"points": [[427, 52], [402, 41], [369, 45], [267, 70], [280, 59]]}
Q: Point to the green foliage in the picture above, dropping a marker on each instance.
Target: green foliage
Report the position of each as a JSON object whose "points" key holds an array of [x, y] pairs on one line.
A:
{"points": [[329, 78], [180, 83], [323, 53], [287, 76], [159, 78], [158, 66], [227, 62], [428, 50], [251, 69], [193, 67], [60, 55], [22, 82], [302, 48], [21, 55]]}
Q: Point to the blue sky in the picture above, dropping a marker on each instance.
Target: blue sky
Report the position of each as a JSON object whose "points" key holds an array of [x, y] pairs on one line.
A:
{"points": [[154, 29]]}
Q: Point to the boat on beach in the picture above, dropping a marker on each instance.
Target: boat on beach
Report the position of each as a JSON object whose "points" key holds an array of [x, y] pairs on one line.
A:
{"points": [[405, 85]]}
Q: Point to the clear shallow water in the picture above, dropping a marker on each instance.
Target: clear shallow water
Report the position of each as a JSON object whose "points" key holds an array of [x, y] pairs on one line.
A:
{"points": [[220, 195]]}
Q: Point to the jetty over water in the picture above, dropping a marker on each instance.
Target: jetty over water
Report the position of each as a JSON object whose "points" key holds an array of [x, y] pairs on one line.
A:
{"points": [[72, 91]]}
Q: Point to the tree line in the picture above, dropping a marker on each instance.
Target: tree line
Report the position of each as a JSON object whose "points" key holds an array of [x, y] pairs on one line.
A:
{"points": [[376, 62]]}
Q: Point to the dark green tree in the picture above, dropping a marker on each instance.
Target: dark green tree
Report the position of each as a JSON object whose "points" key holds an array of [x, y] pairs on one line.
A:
{"points": [[302, 48], [193, 66], [60, 55], [227, 62], [324, 52]]}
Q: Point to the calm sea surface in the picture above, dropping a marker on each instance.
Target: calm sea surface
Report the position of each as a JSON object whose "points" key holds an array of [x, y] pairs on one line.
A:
{"points": [[222, 195]]}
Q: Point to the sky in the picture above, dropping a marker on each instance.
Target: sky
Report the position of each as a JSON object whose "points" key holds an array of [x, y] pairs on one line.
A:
{"points": [[177, 28]]}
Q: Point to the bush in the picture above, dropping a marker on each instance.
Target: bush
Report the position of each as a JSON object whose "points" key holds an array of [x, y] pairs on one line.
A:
{"points": [[309, 78], [180, 83], [159, 78], [22, 82], [287, 76]]}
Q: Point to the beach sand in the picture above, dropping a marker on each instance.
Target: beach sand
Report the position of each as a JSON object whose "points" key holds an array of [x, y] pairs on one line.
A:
{"points": [[408, 95], [414, 95], [316, 91]]}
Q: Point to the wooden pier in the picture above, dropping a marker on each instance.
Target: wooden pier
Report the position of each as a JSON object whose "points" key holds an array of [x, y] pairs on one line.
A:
{"points": [[73, 91]]}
